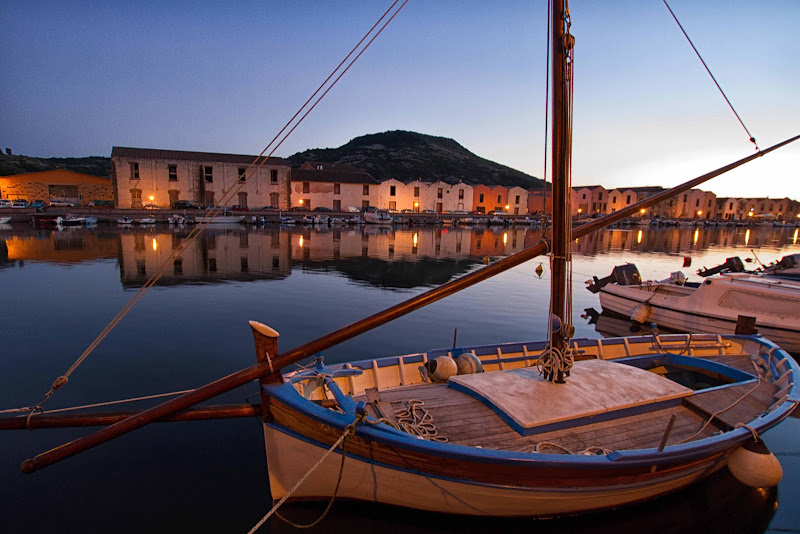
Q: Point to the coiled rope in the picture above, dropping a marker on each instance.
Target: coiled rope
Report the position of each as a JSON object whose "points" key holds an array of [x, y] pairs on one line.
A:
{"points": [[415, 420], [348, 431], [588, 451]]}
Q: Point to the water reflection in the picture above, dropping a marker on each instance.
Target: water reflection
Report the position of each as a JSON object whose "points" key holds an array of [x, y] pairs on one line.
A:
{"points": [[384, 257]]}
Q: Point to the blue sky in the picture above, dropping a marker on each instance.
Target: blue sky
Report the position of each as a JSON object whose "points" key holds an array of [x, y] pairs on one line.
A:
{"points": [[80, 77]]}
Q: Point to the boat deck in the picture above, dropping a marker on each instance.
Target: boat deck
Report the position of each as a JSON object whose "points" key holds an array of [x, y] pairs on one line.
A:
{"points": [[465, 420]]}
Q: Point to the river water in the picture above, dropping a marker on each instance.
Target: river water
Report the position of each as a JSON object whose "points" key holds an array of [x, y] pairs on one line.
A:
{"points": [[60, 288]]}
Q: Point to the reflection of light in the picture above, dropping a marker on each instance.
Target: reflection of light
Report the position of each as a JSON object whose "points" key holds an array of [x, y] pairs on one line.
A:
{"points": [[747, 236], [301, 241], [415, 238], [155, 244], [696, 235], [794, 239], [639, 237], [505, 238]]}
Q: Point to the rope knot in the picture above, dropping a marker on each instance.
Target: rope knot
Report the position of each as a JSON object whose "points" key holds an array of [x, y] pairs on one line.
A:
{"points": [[60, 381]]}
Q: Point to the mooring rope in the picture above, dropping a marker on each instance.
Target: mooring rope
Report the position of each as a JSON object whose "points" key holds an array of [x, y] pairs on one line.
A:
{"points": [[588, 451], [348, 431]]}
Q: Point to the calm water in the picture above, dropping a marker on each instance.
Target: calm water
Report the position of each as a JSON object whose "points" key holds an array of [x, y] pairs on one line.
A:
{"points": [[60, 289]]}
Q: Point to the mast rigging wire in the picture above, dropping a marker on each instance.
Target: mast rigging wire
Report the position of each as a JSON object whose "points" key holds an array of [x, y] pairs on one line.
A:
{"points": [[752, 139], [249, 172]]}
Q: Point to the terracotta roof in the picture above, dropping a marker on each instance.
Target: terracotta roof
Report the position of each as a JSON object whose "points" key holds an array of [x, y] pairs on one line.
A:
{"points": [[344, 177], [57, 177], [155, 153]]}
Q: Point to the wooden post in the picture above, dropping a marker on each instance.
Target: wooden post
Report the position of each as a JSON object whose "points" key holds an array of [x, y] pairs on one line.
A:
{"points": [[266, 341]]}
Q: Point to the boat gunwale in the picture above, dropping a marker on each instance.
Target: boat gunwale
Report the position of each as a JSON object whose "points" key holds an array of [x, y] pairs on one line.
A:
{"points": [[288, 395]]}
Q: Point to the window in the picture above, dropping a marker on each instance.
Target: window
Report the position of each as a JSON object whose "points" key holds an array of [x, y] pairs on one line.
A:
{"points": [[697, 203], [770, 207], [177, 266], [709, 203], [730, 206], [439, 193], [306, 187], [242, 171], [134, 170], [337, 205], [337, 189], [366, 189], [416, 191], [480, 198], [392, 205], [685, 198], [208, 173], [613, 200], [584, 197], [273, 199], [244, 266], [600, 196], [273, 176], [460, 194], [629, 199], [276, 263], [392, 190], [780, 207], [517, 201], [499, 199], [212, 265], [172, 172]]}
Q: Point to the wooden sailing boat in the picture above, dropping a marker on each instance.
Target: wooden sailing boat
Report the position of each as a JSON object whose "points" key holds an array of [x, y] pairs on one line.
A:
{"points": [[508, 428]]}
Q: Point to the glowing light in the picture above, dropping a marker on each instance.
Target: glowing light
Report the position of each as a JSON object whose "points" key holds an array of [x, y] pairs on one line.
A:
{"points": [[747, 237], [580, 210], [416, 204], [639, 237], [699, 213], [507, 207], [505, 238], [301, 241], [415, 238], [794, 239], [155, 244], [696, 235], [152, 198], [642, 211], [301, 201]]}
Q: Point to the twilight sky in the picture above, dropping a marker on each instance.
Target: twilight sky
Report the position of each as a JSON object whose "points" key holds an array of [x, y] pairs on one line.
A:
{"points": [[80, 77]]}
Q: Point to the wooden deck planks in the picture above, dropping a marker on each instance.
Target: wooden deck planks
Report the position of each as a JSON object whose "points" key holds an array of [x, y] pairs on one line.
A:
{"points": [[467, 421], [740, 361]]}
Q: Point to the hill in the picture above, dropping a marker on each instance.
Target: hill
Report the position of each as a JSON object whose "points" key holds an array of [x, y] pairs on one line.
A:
{"points": [[409, 156], [94, 165]]}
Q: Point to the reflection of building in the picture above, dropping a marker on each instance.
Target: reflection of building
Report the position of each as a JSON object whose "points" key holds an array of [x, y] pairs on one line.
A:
{"points": [[73, 245], [217, 255], [59, 184], [143, 176]]}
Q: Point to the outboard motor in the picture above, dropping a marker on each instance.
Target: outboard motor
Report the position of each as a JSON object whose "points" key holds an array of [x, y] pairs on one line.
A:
{"points": [[623, 275], [731, 265]]}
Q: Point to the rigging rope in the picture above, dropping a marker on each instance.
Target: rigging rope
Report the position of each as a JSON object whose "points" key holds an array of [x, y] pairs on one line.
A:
{"points": [[348, 431], [251, 170], [752, 139]]}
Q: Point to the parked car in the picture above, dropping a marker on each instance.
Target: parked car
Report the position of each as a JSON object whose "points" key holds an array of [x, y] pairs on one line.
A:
{"points": [[239, 207], [353, 209], [20, 204], [497, 212], [270, 208], [5, 203], [61, 204], [297, 208], [101, 204], [408, 210], [40, 205], [322, 208], [184, 205]]}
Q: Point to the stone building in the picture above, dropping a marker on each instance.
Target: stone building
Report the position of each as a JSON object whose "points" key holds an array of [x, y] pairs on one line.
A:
{"points": [[330, 185], [144, 176], [58, 184], [489, 198]]}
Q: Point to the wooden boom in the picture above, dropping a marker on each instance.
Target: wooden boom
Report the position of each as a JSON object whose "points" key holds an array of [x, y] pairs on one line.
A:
{"points": [[267, 367]]}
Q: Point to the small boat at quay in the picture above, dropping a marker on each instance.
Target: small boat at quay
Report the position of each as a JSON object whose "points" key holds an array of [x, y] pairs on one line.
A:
{"points": [[70, 220], [544, 427], [5, 220], [125, 221], [378, 217], [146, 220], [717, 304]]}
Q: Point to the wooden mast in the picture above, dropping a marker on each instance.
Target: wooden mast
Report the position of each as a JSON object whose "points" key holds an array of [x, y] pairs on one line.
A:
{"points": [[561, 149]]}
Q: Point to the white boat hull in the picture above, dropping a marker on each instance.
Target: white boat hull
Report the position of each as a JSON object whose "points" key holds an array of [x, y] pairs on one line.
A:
{"points": [[289, 457]]}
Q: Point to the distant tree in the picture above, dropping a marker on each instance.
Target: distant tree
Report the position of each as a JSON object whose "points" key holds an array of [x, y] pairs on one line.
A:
{"points": [[8, 151]]}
